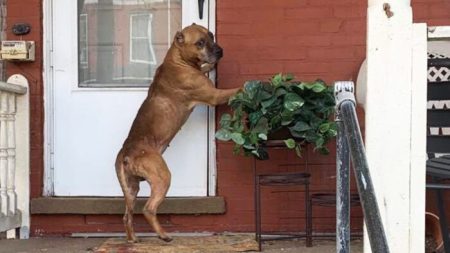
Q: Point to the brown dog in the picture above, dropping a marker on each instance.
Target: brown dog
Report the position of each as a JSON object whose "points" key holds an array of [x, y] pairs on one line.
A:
{"points": [[179, 85]]}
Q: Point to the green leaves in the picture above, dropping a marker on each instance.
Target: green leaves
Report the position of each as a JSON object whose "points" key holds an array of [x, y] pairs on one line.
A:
{"points": [[223, 134], [277, 80], [252, 88], [262, 136], [293, 102], [300, 126], [238, 138], [290, 143], [264, 107], [225, 120], [262, 126], [317, 86]]}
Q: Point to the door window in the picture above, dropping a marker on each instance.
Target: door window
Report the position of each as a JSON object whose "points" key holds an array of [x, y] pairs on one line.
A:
{"points": [[122, 42]]}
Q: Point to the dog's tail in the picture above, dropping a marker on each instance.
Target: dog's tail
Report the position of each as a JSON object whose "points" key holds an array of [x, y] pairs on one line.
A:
{"points": [[122, 161]]}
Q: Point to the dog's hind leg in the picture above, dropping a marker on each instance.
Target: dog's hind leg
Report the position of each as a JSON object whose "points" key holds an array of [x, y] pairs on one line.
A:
{"points": [[156, 172], [130, 188]]}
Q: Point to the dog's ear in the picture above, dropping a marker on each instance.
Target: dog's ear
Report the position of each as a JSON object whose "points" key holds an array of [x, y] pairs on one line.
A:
{"points": [[179, 38]]}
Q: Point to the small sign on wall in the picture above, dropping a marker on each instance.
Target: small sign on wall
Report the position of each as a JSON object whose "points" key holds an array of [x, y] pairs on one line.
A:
{"points": [[17, 50]]}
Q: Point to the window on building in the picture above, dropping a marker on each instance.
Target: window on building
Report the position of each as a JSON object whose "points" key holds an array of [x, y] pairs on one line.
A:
{"points": [[141, 49], [119, 43], [83, 42]]}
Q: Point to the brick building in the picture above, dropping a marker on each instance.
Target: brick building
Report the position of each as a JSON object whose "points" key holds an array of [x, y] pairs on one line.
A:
{"points": [[309, 38]]}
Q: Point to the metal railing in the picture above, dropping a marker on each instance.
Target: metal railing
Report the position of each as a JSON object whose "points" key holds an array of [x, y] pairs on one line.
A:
{"points": [[14, 157], [350, 144]]}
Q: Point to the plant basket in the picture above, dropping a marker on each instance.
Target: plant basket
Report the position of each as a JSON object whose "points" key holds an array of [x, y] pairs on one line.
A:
{"points": [[284, 109]]}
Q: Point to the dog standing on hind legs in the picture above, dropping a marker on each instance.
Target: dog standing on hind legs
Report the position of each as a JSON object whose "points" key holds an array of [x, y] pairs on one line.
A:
{"points": [[178, 86]]}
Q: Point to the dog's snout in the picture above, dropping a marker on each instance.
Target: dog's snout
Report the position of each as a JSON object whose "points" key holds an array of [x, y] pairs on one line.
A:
{"points": [[218, 51]]}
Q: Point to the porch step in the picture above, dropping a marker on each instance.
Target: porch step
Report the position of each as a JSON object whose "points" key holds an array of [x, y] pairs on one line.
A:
{"points": [[84, 205]]}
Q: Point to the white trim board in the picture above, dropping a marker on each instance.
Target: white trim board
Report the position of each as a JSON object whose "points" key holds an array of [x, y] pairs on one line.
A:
{"points": [[438, 32]]}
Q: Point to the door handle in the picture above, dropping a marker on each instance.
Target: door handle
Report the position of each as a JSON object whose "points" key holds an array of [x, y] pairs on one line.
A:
{"points": [[200, 8]]}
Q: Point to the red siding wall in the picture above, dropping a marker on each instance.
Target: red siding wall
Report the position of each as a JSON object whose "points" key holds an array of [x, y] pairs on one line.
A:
{"points": [[432, 12], [310, 38], [32, 14]]}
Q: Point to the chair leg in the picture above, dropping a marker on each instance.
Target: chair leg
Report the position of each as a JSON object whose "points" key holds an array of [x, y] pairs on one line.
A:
{"points": [[308, 216], [258, 212], [443, 220]]}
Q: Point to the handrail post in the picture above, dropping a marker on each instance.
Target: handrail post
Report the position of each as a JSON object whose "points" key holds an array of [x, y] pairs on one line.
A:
{"points": [[14, 157], [11, 154], [345, 104], [342, 190], [3, 155]]}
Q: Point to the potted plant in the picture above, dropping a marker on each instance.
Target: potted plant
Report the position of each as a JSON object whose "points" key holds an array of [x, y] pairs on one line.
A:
{"points": [[262, 110]]}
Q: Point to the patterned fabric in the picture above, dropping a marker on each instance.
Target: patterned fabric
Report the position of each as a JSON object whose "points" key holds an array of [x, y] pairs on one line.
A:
{"points": [[438, 74], [441, 74]]}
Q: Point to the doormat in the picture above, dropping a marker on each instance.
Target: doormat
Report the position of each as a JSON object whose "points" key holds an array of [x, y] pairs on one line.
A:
{"points": [[182, 244]]}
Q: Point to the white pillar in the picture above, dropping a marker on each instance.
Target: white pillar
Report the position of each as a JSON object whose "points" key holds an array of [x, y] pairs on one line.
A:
{"points": [[3, 154], [395, 107], [11, 152], [22, 155]]}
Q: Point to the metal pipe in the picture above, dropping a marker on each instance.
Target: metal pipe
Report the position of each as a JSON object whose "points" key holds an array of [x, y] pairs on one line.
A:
{"points": [[345, 104], [342, 190], [437, 186], [377, 237]]}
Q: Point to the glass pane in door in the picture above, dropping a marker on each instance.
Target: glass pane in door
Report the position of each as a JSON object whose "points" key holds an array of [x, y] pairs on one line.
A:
{"points": [[122, 42]]}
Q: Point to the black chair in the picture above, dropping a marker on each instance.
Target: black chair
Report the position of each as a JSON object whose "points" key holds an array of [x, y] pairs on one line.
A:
{"points": [[328, 200], [281, 179], [438, 142]]}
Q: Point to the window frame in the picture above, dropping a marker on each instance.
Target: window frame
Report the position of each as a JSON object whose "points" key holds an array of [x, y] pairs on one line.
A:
{"points": [[148, 38], [84, 17]]}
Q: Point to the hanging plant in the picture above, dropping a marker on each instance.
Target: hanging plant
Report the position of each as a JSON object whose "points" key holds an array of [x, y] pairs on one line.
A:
{"points": [[261, 109]]}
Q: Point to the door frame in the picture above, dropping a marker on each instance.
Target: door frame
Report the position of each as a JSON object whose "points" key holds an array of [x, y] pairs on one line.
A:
{"points": [[48, 178]]}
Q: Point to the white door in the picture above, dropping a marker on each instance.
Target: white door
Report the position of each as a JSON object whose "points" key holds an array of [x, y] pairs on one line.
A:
{"points": [[101, 73]]}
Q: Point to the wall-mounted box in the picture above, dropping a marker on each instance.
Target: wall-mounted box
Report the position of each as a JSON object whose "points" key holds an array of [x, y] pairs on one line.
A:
{"points": [[17, 50]]}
